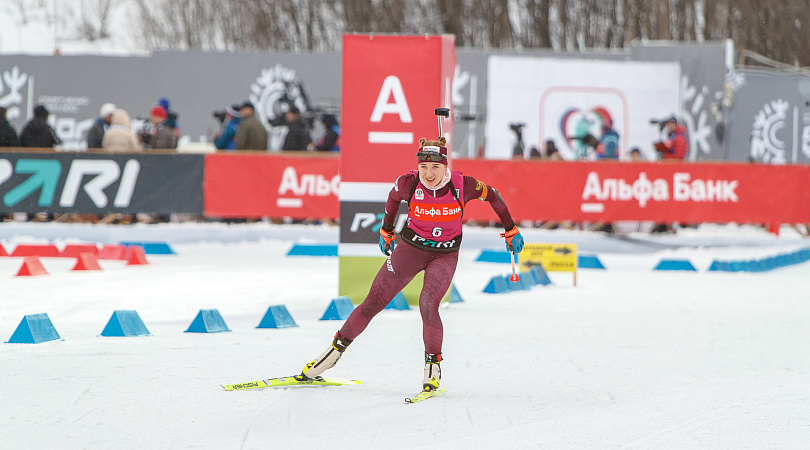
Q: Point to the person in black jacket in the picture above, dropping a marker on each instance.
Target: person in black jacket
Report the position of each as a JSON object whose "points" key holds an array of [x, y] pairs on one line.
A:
{"points": [[95, 136], [37, 133], [298, 134], [8, 135]]}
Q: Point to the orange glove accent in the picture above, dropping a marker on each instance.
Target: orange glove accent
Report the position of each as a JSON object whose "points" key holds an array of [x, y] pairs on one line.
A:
{"points": [[389, 237], [386, 241], [514, 241]]}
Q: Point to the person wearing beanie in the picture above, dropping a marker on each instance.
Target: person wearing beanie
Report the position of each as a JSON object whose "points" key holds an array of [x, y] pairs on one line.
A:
{"points": [[171, 116], [95, 135], [37, 133], [432, 235], [160, 136]]}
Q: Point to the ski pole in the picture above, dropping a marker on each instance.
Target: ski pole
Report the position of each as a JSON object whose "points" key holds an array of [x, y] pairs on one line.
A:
{"points": [[514, 278], [439, 113]]}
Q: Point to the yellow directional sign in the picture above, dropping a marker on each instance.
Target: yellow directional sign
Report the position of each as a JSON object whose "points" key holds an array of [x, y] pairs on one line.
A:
{"points": [[553, 257]]}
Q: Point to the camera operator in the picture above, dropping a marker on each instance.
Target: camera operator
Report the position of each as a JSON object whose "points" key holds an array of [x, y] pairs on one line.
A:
{"points": [[676, 146], [518, 148], [225, 139]]}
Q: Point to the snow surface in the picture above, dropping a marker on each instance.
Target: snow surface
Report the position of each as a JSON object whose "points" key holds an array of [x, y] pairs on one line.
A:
{"points": [[630, 358]]}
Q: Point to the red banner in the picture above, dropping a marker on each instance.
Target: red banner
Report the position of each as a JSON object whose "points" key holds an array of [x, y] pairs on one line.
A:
{"points": [[391, 86], [303, 186], [259, 185], [663, 192]]}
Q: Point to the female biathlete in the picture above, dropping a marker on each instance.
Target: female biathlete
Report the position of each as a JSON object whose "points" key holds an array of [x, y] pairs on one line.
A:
{"points": [[436, 198]]}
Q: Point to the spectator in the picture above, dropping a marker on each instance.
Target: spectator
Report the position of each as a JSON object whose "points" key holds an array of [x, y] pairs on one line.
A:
{"points": [[550, 148], [171, 116], [251, 134], [553, 154], [37, 133], [608, 147], [225, 140], [8, 135], [95, 135], [160, 136], [297, 132], [120, 138], [676, 145], [517, 153], [534, 153], [635, 155], [330, 141]]}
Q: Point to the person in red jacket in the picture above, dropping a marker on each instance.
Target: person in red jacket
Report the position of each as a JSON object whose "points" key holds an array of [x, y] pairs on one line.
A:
{"points": [[436, 197], [676, 146]]}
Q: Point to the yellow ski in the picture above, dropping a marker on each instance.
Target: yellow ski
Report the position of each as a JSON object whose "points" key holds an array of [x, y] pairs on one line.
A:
{"points": [[288, 381], [424, 395]]}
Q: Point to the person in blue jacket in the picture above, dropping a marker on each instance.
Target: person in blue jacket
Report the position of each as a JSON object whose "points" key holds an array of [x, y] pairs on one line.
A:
{"points": [[225, 140]]}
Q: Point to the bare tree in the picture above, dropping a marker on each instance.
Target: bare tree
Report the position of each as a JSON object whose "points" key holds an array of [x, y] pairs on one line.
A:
{"points": [[776, 29], [95, 21]]}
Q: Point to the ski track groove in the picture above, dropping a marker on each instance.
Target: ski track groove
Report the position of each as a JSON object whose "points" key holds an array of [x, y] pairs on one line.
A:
{"points": [[259, 416]]}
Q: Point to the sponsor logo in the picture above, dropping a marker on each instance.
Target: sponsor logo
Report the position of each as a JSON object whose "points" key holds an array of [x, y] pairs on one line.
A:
{"points": [[274, 87], [419, 194], [431, 243], [363, 221], [765, 143], [293, 187], [307, 184], [435, 213], [644, 190], [45, 174], [389, 265]]}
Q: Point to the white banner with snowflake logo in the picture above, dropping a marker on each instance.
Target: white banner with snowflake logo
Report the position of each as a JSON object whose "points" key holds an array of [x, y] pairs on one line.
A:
{"points": [[771, 119]]}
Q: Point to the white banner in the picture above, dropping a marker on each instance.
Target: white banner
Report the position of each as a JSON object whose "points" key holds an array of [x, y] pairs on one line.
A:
{"points": [[565, 99]]}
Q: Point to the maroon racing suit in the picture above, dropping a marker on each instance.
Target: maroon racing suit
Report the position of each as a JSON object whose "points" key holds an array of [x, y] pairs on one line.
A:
{"points": [[436, 255]]}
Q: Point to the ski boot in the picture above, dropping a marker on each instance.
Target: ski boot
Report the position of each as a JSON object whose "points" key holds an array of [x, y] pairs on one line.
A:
{"points": [[327, 360], [433, 372]]}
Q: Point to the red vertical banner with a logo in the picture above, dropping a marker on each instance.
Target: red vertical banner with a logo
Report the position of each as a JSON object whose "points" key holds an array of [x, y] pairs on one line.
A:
{"points": [[391, 87]]}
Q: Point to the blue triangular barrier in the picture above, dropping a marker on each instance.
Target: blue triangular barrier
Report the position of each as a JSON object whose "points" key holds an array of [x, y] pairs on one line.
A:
{"points": [[339, 309], [125, 323], [497, 285], [540, 275], [589, 262], [496, 256], [33, 329], [313, 250], [208, 321], [675, 264], [528, 280], [455, 295], [399, 303], [277, 316], [152, 248], [515, 285]]}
